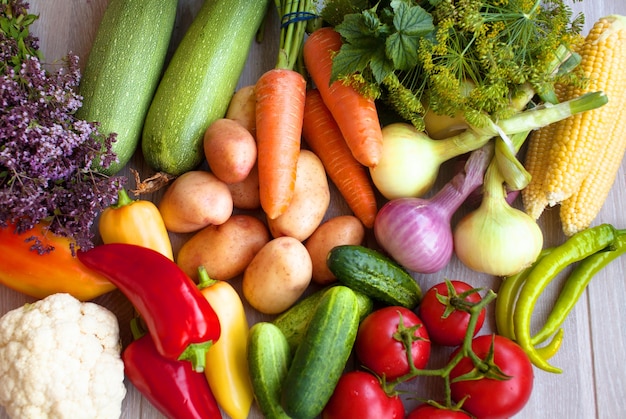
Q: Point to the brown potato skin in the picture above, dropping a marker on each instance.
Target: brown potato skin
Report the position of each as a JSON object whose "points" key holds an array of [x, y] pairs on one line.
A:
{"points": [[230, 150], [277, 276], [246, 195], [224, 250], [337, 231], [242, 108], [310, 201], [195, 200]]}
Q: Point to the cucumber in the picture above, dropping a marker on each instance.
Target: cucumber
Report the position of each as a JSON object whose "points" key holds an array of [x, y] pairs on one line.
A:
{"points": [[321, 358], [198, 83], [123, 70], [294, 321], [268, 363], [375, 275]]}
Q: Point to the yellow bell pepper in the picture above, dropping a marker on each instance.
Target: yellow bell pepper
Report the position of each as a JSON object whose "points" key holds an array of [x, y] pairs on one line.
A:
{"points": [[135, 222], [226, 361], [40, 275]]}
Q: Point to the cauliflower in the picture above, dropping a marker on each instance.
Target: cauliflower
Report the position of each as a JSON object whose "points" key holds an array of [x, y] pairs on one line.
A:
{"points": [[60, 358]]}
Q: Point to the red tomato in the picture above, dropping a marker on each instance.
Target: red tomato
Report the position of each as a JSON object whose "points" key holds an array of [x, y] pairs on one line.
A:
{"points": [[449, 330], [378, 349], [427, 411], [358, 395], [490, 398]]}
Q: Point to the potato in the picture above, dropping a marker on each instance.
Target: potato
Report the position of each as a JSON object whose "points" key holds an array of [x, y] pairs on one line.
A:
{"points": [[230, 150], [340, 230], [246, 193], [277, 276], [195, 200], [242, 108], [309, 203], [224, 250]]}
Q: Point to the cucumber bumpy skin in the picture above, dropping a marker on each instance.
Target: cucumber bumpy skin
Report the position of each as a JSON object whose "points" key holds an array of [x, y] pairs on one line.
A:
{"points": [[294, 321], [268, 362], [375, 275], [321, 357]]}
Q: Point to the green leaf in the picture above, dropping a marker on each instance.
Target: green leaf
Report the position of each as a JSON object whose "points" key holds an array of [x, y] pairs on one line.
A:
{"points": [[364, 45], [411, 20], [333, 11], [381, 67], [412, 23], [350, 59], [361, 27]]}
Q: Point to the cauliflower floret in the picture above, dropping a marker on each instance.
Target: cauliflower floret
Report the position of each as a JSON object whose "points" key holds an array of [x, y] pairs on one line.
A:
{"points": [[60, 358]]}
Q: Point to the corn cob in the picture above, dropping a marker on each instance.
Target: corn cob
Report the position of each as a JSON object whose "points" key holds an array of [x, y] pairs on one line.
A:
{"points": [[578, 211], [537, 154], [563, 154]]}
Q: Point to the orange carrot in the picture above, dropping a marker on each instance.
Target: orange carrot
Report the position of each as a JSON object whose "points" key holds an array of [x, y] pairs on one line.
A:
{"points": [[355, 114], [280, 95], [323, 136]]}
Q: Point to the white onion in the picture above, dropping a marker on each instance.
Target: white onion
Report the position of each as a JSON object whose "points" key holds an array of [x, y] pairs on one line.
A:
{"points": [[410, 161], [496, 238]]}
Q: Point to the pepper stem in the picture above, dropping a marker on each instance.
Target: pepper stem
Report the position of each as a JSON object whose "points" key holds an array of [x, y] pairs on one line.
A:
{"points": [[136, 328], [122, 199], [196, 354], [204, 280]]}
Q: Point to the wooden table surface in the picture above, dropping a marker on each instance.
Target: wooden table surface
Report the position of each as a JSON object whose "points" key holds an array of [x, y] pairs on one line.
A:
{"points": [[593, 382]]}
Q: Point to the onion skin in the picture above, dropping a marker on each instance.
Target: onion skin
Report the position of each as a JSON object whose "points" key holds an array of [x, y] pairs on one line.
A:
{"points": [[497, 240], [403, 221], [416, 232], [409, 164], [411, 160]]}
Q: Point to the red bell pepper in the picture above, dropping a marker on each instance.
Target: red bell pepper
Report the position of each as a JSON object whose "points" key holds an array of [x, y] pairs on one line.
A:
{"points": [[173, 387], [180, 320]]}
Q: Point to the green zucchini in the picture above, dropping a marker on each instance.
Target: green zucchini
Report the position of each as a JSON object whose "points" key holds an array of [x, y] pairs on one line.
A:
{"points": [[198, 83], [294, 321], [375, 275], [123, 70], [321, 358], [268, 363]]}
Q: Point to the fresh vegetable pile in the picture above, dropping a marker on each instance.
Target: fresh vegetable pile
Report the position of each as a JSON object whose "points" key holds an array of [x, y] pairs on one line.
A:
{"points": [[364, 101]]}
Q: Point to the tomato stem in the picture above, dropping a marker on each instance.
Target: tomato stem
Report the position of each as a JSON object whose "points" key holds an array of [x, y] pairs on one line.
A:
{"points": [[485, 366]]}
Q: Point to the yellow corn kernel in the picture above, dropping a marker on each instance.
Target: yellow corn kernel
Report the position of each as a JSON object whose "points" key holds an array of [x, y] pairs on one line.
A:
{"points": [[534, 197], [579, 211], [577, 141], [561, 155], [536, 160]]}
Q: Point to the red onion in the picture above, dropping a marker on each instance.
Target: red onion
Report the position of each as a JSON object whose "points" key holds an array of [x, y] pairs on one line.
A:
{"points": [[416, 232], [475, 198]]}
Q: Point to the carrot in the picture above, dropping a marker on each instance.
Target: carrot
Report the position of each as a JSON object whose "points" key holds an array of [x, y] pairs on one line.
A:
{"points": [[280, 94], [355, 114], [323, 136]]}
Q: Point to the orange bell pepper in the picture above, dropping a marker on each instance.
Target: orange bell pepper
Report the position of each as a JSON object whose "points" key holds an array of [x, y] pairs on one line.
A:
{"points": [[40, 275], [226, 360], [135, 222]]}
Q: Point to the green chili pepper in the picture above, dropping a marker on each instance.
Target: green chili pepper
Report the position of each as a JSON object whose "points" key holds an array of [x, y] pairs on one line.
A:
{"points": [[576, 248], [507, 295], [576, 284], [548, 351]]}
